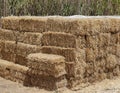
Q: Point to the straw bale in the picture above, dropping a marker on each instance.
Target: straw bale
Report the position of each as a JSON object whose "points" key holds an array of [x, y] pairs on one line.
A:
{"points": [[39, 24], [76, 26], [111, 61], [31, 38], [26, 24], [58, 39], [25, 49], [68, 53], [48, 82], [104, 39], [24, 37], [47, 63], [59, 24], [7, 35], [11, 23]]}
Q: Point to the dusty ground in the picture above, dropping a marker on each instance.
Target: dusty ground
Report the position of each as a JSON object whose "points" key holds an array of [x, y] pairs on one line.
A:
{"points": [[106, 86]]}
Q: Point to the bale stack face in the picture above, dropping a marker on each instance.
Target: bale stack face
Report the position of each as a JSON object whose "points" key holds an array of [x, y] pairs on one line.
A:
{"points": [[47, 71], [91, 46]]}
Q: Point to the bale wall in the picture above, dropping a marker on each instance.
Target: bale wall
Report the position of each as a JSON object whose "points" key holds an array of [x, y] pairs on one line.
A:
{"points": [[90, 45]]}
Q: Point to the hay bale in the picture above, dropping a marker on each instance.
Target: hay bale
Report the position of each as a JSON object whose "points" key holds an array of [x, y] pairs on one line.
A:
{"points": [[24, 37], [111, 61], [48, 64], [26, 24], [7, 35], [48, 82], [39, 24], [68, 53], [58, 39], [104, 39], [25, 49], [31, 38], [76, 26], [57, 23], [33, 24], [11, 23]]}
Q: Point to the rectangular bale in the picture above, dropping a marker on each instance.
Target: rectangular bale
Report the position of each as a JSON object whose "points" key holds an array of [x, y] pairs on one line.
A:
{"points": [[39, 24], [31, 38], [58, 39], [48, 82], [26, 24], [76, 26], [47, 64], [25, 49], [68, 53], [9, 35], [11, 23]]}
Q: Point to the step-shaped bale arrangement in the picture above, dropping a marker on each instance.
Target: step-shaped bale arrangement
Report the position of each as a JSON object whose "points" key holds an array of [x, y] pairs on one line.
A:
{"points": [[47, 71], [90, 45]]}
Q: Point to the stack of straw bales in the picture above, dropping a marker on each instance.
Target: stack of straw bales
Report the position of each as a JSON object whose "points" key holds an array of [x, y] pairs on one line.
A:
{"points": [[47, 70], [91, 46]]}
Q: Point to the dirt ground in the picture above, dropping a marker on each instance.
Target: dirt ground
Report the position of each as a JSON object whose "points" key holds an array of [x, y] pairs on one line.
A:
{"points": [[106, 86]]}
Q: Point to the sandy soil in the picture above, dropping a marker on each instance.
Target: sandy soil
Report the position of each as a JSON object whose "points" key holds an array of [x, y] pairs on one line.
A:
{"points": [[106, 86]]}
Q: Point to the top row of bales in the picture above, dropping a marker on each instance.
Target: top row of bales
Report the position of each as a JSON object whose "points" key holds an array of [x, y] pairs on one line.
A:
{"points": [[75, 25]]}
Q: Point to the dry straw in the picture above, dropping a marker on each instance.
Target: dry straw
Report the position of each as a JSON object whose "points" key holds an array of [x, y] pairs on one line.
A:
{"points": [[58, 39], [47, 64]]}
